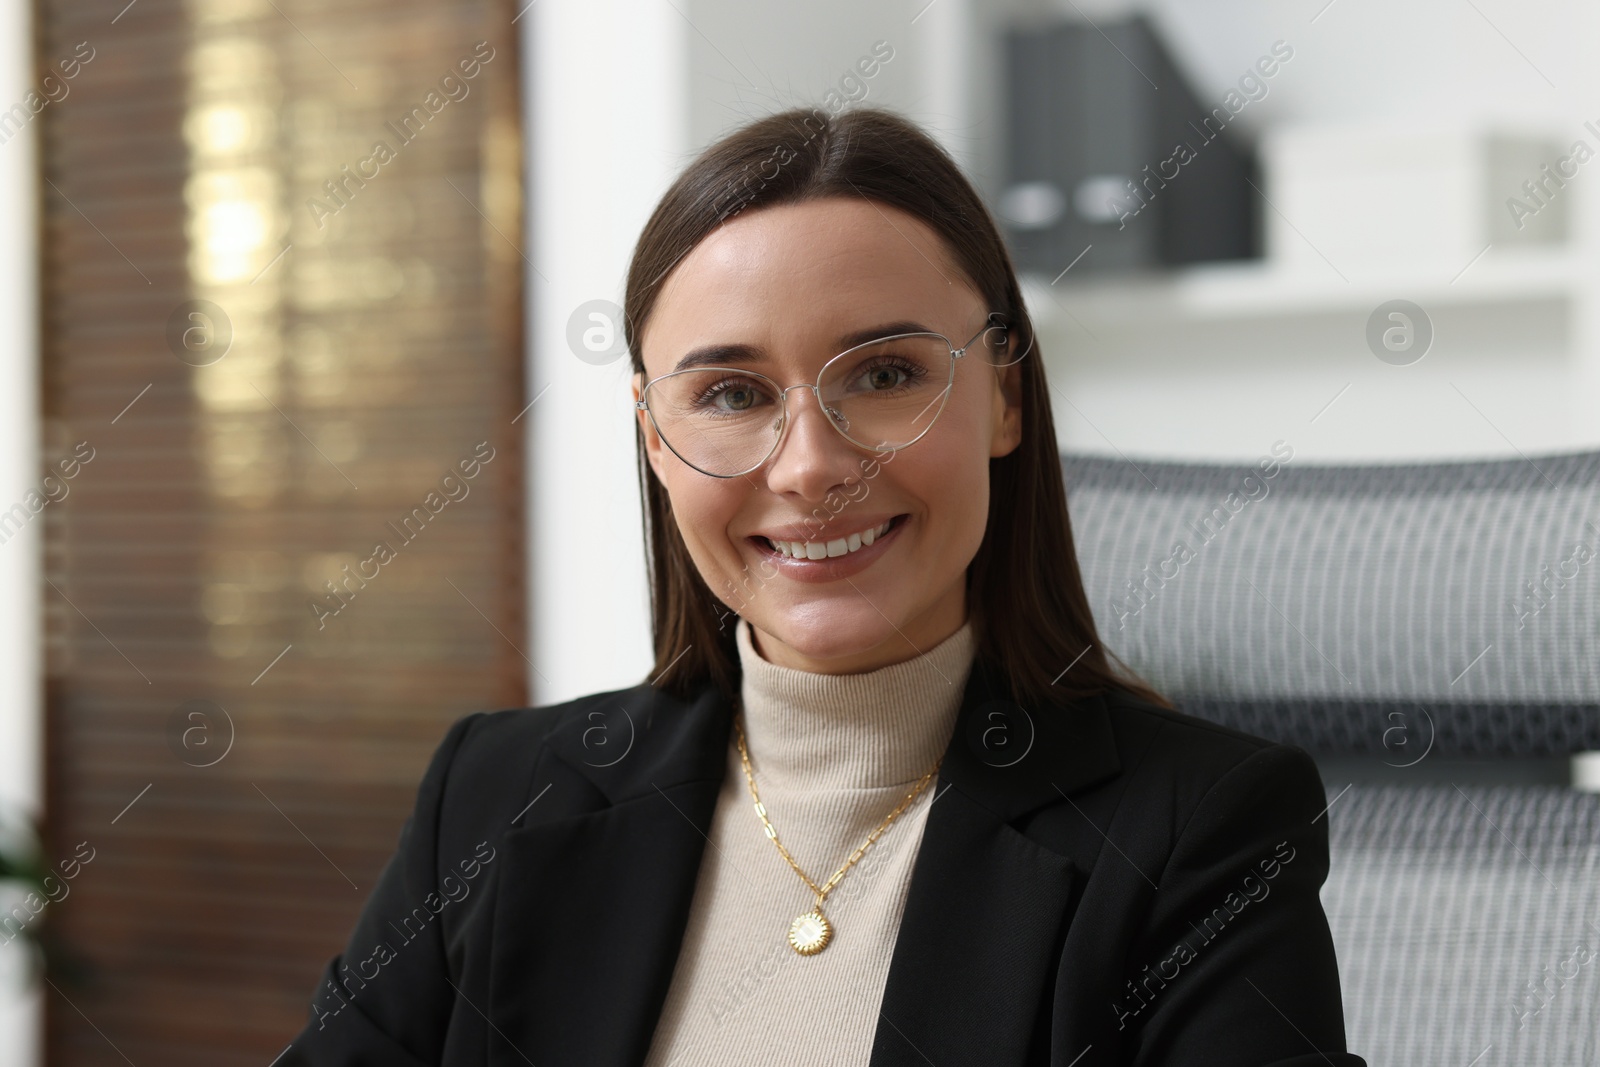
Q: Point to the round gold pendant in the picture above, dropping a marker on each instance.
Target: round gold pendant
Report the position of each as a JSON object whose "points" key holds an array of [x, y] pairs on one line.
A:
{"points": [[810, 933]]}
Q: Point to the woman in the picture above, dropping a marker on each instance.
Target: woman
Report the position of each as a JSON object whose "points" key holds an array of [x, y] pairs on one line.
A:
{"points": [[885, 799]]}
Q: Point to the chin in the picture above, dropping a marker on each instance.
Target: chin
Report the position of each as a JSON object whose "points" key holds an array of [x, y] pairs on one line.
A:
{"points": [[830, 629]]}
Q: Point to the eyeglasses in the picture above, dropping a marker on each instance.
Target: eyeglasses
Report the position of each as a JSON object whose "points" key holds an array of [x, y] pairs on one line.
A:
{"points": [[882, 395]]}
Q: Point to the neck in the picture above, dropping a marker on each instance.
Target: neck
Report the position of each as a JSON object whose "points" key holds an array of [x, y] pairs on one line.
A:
{"points": [[876, 728]]}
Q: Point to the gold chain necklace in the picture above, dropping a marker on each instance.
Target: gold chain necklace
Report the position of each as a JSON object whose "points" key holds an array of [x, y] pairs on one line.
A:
{"points": [[810, 933]]}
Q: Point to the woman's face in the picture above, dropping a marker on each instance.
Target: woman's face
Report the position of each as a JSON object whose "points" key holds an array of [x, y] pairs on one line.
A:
{"points": [[795, 285]]}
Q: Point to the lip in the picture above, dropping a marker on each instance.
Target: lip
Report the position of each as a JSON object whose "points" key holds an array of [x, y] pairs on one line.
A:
{"points": [[833, 568]]}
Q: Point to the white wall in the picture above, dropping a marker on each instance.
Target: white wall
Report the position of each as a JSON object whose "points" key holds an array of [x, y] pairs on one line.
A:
{"points": [[20, 686], [607, 130], [749, 60]]}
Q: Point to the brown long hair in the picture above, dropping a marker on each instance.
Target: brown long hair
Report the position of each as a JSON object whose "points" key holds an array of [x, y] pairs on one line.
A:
{"points": [[1025, 594]]}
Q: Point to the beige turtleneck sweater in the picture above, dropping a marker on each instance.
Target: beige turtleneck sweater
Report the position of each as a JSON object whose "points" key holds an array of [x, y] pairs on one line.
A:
{"points": [[832, 755]]}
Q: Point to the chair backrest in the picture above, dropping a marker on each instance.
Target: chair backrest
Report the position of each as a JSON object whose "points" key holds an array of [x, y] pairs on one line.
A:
{"points": [[1467, 921], [1380, 615], [1450, 606]]}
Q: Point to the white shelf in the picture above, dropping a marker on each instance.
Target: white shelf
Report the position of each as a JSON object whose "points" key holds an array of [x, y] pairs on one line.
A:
{"points": [[1258, 289]]}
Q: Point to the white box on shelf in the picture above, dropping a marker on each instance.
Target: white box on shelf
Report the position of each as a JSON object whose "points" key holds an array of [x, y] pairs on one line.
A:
{"points": [[1376, 196]]}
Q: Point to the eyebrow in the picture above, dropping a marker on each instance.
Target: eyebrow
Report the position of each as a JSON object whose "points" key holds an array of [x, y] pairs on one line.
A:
{"points": [[728, 355]]}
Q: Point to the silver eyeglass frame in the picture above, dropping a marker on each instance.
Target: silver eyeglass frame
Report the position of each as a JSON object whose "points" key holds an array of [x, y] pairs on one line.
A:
{"points": [[782, 392]]}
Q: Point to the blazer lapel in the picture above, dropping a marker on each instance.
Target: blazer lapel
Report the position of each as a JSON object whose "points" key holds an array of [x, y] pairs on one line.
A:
{"points": [[987, 906], [598, 878]]}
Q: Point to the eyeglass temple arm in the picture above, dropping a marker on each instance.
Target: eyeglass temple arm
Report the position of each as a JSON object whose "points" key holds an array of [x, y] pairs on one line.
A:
{"points": [[988, 325]]}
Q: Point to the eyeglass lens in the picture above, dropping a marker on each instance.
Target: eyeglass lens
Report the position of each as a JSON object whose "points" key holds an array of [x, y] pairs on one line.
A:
{"points": [[882, 396]]}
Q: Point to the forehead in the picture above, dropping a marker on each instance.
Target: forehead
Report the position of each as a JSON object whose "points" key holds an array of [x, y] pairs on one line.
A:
{"points": [[791, 277]]}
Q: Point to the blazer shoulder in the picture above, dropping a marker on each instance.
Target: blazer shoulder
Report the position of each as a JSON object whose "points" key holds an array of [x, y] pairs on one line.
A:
{"points": [[509, 725], [1170, 732], [495, 740], [486, 764], [1165, 750]]}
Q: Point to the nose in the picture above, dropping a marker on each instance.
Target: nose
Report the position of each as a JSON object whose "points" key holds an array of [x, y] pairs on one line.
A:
{"points": [[812, 456]]}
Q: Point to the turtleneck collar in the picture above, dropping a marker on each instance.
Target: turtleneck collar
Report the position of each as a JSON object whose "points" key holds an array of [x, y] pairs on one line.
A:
{"points": [[879, 728]]}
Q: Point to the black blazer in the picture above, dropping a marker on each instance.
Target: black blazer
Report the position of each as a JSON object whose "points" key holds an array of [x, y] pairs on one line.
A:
{"points": [[1099, 882]]}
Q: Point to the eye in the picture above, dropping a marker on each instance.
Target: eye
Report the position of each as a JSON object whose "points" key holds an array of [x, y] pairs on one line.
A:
{"points": [[884, 376], [890, 372], [731, 396]]}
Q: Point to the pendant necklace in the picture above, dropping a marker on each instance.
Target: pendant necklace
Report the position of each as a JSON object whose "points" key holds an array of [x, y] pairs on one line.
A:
{"points": [[810, 933]]}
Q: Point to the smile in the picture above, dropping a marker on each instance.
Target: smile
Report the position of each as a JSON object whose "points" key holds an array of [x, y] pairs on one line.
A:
{"points": [[840, 546]]}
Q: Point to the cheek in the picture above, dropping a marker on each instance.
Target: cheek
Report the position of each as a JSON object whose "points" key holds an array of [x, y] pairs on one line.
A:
{"points": [[952, 471], [953, 483], [704, 508], [960, 435], [948, 473]]}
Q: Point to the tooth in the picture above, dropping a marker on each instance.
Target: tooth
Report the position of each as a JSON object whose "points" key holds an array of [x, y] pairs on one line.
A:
{"points": [[829, 549]]}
